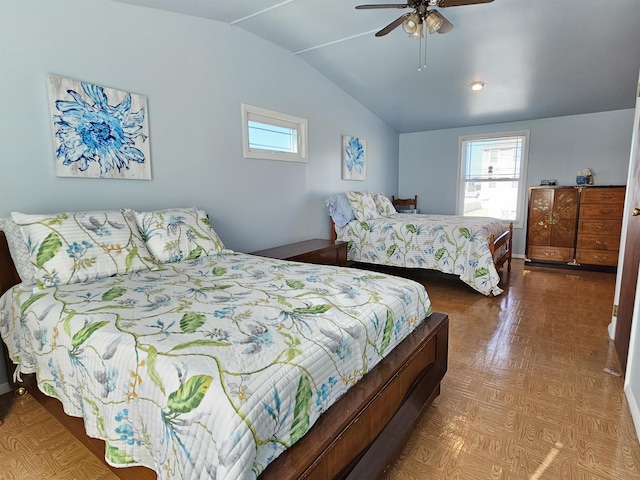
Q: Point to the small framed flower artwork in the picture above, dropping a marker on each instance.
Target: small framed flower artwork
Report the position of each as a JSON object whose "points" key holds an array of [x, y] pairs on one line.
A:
{"points": [[353, 158], [98, 132]]}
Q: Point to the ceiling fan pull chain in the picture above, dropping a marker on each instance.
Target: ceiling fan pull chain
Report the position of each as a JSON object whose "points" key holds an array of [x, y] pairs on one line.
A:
{"points": [[424, 65], [422, 53]]}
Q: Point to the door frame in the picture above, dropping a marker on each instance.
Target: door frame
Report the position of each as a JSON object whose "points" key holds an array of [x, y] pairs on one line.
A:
{"points": [[632, 376]]}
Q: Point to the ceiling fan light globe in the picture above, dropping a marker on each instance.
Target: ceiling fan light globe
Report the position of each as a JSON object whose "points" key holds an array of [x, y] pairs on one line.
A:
{"points": [[418, 34], [433, 22], [409, 26]]}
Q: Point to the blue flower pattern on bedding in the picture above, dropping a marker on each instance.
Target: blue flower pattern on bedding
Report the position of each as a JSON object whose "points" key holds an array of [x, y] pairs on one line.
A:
{"points": [[448, 243], [213, 366]]}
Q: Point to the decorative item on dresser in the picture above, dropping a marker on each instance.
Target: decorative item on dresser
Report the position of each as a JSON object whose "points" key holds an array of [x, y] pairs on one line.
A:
{"points": [[575, 226]]}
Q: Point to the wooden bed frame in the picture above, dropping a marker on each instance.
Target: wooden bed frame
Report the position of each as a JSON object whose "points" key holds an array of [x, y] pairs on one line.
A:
{"points": [[357, 438], [505, 239], [495, 243]]}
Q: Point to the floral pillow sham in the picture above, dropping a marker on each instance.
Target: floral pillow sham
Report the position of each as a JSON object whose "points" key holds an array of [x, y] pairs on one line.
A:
{"points": [[178, 234], [384, 205], [79, 247], [18, 249], [363, 205]]}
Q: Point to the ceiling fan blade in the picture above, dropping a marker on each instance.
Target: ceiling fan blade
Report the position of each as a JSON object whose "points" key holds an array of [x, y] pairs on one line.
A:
{"points": [[446, 26], [392, 25], [458, 3], [382, 5]]}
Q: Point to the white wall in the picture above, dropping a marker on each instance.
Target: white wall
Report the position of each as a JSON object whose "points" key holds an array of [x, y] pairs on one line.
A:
{"points": [[559, 147], [632, 376], [195, 74]]}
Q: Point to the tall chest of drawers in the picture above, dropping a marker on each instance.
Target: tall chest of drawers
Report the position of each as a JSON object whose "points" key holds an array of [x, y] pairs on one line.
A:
{"points": [[575, 226], [599, 225]]}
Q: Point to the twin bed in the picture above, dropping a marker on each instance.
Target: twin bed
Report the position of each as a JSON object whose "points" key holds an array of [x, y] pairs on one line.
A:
{"points": [[188, 360], [473, 248]]}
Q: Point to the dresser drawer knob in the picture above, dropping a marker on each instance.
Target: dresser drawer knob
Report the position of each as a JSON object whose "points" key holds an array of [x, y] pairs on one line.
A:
{"points": [[600, 242], [606, 196], [604, 227], [606, 212], [550, 254]]}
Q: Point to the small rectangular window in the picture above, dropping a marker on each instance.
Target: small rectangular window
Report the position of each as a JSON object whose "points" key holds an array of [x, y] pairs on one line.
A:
{"points": [[272, 135]]}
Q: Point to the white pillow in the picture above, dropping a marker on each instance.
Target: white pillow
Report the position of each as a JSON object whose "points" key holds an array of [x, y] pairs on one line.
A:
{"points": [[18, 249], [363, 205], [178, 234], [383, 205], [79, 247]]}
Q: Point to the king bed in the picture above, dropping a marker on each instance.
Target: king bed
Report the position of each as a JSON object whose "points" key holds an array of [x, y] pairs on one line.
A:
{"points": [[188, 360], [473, 248]]}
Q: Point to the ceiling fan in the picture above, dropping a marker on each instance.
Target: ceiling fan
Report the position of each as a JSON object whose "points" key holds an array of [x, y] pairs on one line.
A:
{"points": [[413, 22]]}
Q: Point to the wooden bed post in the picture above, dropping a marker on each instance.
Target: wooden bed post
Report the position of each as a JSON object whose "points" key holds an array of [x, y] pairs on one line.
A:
{"points": [[505, 239]]}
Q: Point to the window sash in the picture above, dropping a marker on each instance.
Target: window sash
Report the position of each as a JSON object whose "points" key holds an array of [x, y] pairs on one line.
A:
{"points": [[490, 161], [273, 135], [270, 137]]}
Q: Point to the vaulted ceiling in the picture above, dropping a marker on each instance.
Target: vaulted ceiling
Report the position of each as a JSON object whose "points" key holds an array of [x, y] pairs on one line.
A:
{"points": [[538, 58]]}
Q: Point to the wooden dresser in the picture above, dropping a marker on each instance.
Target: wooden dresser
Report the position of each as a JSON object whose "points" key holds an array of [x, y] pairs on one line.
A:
{"points": [[599, 225], [551, 231], [575, 226]]}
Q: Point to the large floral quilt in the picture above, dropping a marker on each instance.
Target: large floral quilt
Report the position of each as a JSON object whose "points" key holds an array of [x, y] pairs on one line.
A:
{"points": [[211, 367], [448, 243]]}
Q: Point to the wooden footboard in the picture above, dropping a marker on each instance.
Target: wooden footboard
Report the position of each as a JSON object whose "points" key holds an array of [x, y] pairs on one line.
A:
{"points": [[361, 435], [505, 239]]}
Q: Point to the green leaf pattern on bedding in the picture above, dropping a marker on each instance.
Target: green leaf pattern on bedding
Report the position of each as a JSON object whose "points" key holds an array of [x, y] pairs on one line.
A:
{"points": [[450, 244], [212, 367]]}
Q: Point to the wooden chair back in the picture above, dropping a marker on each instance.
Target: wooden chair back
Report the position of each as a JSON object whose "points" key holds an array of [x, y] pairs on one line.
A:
{"points": [[405, 203]]}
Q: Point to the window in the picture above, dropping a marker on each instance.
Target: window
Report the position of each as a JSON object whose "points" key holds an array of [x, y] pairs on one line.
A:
{"points": [[492, 179], [272, 135]]}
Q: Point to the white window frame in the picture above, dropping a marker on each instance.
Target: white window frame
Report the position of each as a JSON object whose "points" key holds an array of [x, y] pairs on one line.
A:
{"points": [[269, 117], [522, 180]]}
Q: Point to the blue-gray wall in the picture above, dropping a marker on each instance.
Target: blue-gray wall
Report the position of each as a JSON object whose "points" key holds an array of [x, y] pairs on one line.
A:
{"points": [[559, 147], [195, 74]]}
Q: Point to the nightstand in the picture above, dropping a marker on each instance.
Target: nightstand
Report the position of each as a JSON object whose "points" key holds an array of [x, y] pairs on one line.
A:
{"points": [[325, 252]]}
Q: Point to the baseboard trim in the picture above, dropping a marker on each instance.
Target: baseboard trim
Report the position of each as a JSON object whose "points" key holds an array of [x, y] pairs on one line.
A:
{"points": [[634, 406]]}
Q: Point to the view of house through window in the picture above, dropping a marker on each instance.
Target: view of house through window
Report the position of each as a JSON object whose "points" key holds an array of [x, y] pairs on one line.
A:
{"points": [[492, 180]]}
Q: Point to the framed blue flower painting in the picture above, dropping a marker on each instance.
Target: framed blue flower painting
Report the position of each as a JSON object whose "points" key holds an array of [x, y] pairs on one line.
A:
{"points": [[353, 158], [98, 132]]}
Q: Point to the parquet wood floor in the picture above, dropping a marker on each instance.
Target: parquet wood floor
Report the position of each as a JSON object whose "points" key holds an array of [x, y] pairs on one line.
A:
{"points": [[525, 396]]}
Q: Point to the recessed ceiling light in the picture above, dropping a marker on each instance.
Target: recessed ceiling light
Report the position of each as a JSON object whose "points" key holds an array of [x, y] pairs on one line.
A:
{"points": [[477, 86]]}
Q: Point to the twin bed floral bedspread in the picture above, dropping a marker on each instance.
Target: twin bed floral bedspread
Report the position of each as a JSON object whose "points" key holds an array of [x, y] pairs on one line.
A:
{"points": [[448, 243], [210, 368]]}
